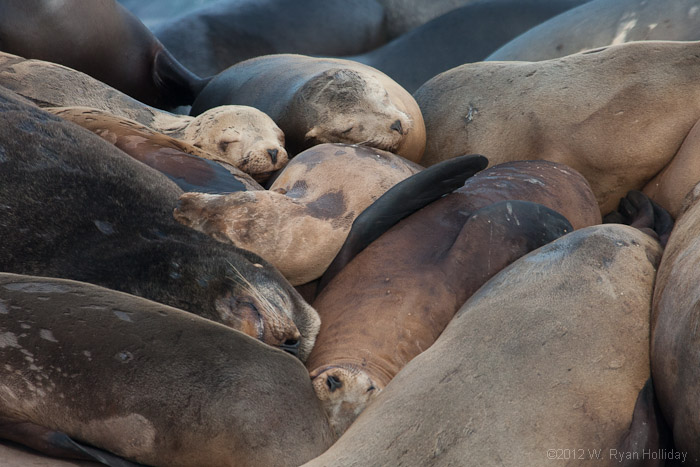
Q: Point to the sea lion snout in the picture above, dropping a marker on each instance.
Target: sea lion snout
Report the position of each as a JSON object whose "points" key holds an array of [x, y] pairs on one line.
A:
{"points": [[397, 127], [273, 155]]}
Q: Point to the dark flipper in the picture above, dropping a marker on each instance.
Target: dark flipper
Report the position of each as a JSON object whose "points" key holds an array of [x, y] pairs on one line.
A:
{"points": [[176, 84], [648, 431], [403, 199], [637, 210], [57, 444]]}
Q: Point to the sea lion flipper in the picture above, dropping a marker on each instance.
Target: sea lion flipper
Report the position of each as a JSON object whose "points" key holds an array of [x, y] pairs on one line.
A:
{"points": [[401, 200], [177, 85], [639, 211], [56, 443]]}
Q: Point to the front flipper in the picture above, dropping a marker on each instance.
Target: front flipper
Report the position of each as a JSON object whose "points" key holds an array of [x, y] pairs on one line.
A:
{"points": [[401, 200], [57, 444], [639, 211]]}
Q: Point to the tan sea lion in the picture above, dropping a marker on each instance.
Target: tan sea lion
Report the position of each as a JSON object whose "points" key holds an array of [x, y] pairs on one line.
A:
{"points": [[422, 270], [674, 354], [255, 153], [543, 363], [74, 206], [102, 39], [147, 382], [617, 115], [302, 221], [322, 100]]}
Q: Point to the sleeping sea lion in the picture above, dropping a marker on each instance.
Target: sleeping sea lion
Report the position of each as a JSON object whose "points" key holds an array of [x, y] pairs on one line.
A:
{"points": [[74, 206], [322, 100]]}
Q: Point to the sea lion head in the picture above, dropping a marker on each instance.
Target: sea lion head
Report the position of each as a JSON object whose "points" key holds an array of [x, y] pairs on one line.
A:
{"points": [[242, 136], [344, 392], [347, 106]]}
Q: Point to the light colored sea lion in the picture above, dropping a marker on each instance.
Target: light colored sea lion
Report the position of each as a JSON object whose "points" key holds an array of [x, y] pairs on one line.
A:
{"points": [[616, 115], [674, 345], [120, 50], [322, 100], [302, 221], [463, 35], [601, 23], [76, 207], [423, 269], [222, 131], [547, 356], [254, 153], [148, 382], [211, 39]]}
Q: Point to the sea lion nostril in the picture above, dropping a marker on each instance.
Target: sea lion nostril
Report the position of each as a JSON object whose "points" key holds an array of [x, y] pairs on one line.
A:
{"points": [[333, 383], [273, 155], [291, 346], [396, 126]]}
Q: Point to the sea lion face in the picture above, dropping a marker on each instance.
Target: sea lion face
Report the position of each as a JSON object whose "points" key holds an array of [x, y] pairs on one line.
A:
{"points": [[242, 136], [345, 106], [344, 392]]}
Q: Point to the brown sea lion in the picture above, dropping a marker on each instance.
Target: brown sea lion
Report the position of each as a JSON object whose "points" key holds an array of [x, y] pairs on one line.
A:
{"points": [[224, 131], [147, 382], [598, 112], [601, 23], [543, 363], [302, 221], [322, 100], [258, 158], [102, 39], [421, 271], [74, 206], [674, 345]]}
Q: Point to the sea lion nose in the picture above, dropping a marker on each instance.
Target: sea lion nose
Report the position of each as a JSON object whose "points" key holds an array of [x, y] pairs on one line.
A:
{"points": [[333, 383], [396, 126], [291, 346], [273, 155]]}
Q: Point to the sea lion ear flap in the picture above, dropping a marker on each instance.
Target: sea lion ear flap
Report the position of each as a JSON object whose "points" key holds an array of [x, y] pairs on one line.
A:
{"points": [[400, 201], [176, 84]]}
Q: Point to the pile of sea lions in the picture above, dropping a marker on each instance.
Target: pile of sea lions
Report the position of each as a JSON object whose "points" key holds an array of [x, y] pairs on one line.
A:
{"points": [[349, 233]]}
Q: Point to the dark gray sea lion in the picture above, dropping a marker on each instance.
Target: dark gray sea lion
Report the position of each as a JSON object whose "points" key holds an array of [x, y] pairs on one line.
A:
{"points": [[211, 39], [146, 381], [102, 39], [463, 35], [76, 207]]}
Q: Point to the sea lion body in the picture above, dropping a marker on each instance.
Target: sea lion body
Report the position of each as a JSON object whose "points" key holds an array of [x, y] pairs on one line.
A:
{"points": [[601, 23], [322, 100], [300, 223], [122, 52], [149, 382], [536, 360], [257, 157], [596, 112], [76, 207], [422, 270], [673, 332], [212, 38], [463, 35]]}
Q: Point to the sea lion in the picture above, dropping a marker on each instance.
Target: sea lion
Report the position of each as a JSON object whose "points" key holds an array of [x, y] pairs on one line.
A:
{"points": [[463, 35], [122, 52], [14, 455], [153, 13], [601, 23], [76, 207], [424, 268], [241, 147], [148, 382], [404, 15], [674, 356], [611, 133], [223, 131], [322, 100], [398, 314], [554, 185], [214, 37], [548, 356], [301, 222]]}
